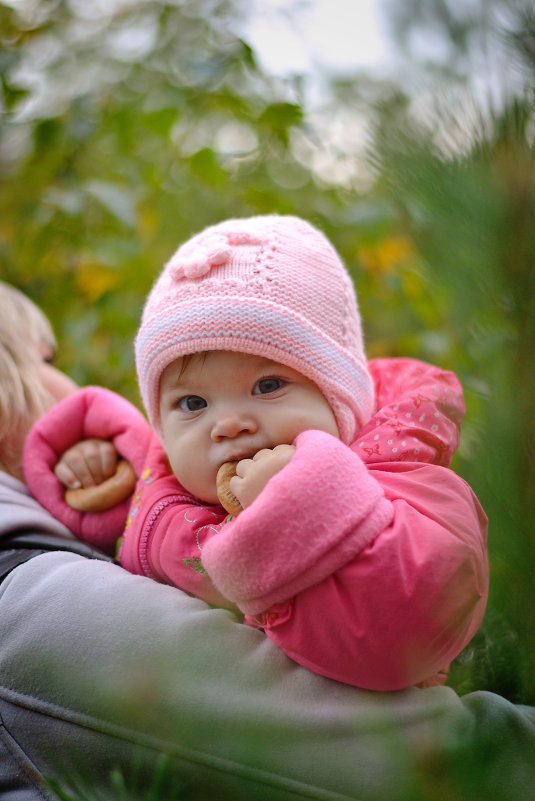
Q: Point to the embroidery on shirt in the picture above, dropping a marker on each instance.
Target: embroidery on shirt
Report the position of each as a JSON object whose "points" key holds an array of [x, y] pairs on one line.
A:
{"points": [[396, 425], [371, 451], [419, 399], [147, 478], [195, 564]]}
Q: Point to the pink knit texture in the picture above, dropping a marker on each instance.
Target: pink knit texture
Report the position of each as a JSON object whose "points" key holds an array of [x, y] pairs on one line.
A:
{"points": [[271, 286]]}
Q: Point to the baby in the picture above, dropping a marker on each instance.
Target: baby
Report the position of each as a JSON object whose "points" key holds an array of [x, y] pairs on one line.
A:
{"points": [[357, 551]]}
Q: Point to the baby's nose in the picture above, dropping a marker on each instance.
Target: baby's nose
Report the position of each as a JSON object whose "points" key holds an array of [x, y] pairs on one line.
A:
{"points": [[232, 424]]}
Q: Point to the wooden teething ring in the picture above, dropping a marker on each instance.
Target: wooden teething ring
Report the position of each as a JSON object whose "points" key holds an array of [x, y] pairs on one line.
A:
{"points": [[106, 495], [227, 499]]}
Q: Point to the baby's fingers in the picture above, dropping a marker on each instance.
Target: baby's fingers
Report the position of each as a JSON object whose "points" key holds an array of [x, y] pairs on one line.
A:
{"points": [[87, 463], [280, 455], [252, 475], [68, 477]]}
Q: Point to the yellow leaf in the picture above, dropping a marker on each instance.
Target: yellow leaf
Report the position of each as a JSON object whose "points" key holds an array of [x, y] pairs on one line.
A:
{"points": [[94, 280], [387, 255]]}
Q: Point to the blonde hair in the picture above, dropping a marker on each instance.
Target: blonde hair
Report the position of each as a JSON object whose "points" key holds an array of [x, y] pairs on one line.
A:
{"points": [[25, 337]]}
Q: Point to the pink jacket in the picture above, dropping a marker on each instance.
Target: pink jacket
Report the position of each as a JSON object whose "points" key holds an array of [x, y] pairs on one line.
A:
{"points": [[366, 564]]}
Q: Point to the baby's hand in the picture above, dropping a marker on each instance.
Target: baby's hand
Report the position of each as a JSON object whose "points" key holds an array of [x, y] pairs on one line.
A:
{"points": [[252, 475], [86, 464]]}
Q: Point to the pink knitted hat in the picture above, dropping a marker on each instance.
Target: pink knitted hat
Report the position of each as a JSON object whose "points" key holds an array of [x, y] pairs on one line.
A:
{"points": [[271, 286]]}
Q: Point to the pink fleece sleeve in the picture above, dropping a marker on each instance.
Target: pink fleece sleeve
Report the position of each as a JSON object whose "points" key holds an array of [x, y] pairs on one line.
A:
{"points": [[90, 412], [311, 518], [410, 602]]}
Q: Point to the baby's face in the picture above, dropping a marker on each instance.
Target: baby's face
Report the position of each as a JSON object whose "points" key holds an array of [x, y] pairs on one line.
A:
{"points": [[225, 406]]}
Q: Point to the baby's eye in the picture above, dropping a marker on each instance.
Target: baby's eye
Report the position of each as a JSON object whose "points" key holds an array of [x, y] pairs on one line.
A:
{"points": [[267, 385], [191, 403]]}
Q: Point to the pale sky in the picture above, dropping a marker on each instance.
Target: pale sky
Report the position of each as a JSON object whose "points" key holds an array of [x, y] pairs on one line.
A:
{"points": [[298, 37]]}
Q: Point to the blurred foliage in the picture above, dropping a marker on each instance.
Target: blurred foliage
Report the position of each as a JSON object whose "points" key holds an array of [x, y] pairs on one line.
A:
{"points": [[121, 785], [128, 125], [465, 189]]}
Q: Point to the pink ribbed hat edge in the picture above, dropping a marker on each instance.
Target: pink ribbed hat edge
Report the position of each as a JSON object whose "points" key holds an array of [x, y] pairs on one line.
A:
{"points": [[272, 286]]}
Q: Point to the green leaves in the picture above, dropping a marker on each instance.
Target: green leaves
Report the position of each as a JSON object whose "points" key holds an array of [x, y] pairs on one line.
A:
{"points": [[115, 199], [277, 119], [205, 166]]}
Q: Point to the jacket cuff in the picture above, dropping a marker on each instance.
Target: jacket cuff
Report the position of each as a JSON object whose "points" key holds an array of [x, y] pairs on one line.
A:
{"points": [[89, 412]]}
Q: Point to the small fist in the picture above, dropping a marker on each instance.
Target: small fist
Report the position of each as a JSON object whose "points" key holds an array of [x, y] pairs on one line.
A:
{"points": [[86, 464], [252, 475]]}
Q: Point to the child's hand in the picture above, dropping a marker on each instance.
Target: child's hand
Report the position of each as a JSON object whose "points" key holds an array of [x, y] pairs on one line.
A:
{"points": [[86, 464], [252, 475]]}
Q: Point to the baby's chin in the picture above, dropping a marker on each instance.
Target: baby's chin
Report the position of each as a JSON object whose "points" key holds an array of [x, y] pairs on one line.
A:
{"points": [[206, 495], [211, 500]]}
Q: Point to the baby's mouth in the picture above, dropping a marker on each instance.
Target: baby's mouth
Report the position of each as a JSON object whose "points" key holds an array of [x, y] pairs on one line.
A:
{"points": [[239, 455]]}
